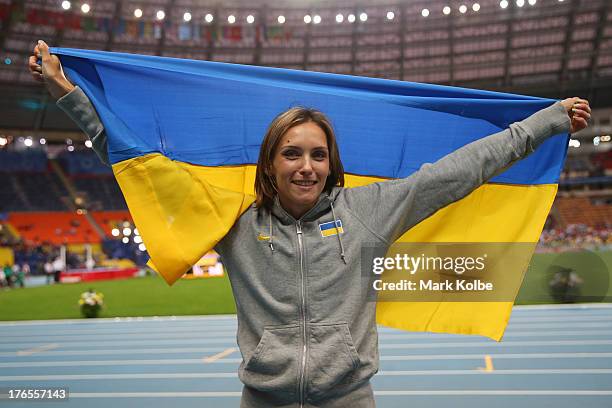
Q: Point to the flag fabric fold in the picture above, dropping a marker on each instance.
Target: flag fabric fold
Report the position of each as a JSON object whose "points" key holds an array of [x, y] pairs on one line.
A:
{"points": [[184, 137]]}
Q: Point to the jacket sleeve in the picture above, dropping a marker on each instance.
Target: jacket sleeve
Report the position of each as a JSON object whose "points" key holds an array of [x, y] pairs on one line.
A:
{"points": [[79, 108], [390, 208]]}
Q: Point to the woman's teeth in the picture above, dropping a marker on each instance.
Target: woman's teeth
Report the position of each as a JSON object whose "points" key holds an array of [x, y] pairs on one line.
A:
{"points": [[304, 182]]}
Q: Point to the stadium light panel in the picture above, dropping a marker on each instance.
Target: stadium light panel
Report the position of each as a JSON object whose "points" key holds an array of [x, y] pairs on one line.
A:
{"points": [[316, 19], [250, 19], [85, 8], [520, 3], [137, 239], [307, 19], [28, 142], [68, 141], [339, 18], [66, 5], [446, 10], [476, 7], [208, 18], [115, 232], [187, 16], [8, 61], [138, 13], [425, 12], [463, 9], [71, 148], [160, 14], [532, 2], [503, 4], [42, 141], [125, 240], [127, 231], [596, 140], [351, 18], [363, 17], [136, 231], [231, 19], [390, 15], [574, 143], [88, 143], [3, 141], [281, 20], [605, 138], [142, 247]]}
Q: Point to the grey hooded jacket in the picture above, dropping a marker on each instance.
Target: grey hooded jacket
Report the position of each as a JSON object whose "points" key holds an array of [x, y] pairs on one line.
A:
{"points": [[306, 331]]}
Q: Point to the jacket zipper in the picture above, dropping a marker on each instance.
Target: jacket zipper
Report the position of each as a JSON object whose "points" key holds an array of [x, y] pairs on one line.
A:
{"points": [[298, 227]]}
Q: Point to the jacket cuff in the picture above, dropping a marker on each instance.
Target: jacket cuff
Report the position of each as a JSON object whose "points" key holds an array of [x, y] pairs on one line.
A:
{"points": [[78, 107], [548, 122]]}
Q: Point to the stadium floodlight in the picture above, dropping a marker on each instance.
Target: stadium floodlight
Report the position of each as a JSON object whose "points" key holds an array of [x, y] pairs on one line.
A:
{"points": [[446, 10], [71, 148], [574, 143], [142, 247], [462, 9], [136, 231], [596, 140], [316, 19], [137, 239], [503, 4], [425, 12], [307, 19], [351, 18], [231, 19], [208, 18], [476, 7], [3, 141], [250, 19], [28, 142], [125, 240], [605, 138], [68, 141], [532, 2], [88, 143], [160, 14], [42, 141], [127, 231], [281, 20], [85, 8], [520, 3], [363, 17], [8, 61], [66, 5], [187, 17], [339, 18], [138, 13], [390, 15], [115, 232]]}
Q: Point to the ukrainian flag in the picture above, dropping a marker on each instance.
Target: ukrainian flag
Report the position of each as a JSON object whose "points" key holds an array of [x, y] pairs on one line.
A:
{"points": [[184, 139]]}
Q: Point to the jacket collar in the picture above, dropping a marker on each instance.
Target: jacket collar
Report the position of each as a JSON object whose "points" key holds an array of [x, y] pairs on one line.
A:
{"points": [[321, 207]]}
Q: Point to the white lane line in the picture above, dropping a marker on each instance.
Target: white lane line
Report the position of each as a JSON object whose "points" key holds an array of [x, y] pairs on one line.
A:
{"points": [[493, 392], [137, 319], [580, 306], [230, 336], [400, 373], [220, 355], [500, 345], [529, 371], [38, 349], [386, 393], [189, 361], [196, 394], [171, 350]]}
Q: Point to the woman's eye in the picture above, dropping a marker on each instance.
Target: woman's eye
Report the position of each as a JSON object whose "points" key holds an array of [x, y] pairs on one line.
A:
{"points": [[291, 154], [319, 155]]}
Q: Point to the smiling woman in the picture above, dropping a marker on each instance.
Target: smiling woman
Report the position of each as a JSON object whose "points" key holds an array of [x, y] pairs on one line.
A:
{"points": [[298, 160], [306, 332]]}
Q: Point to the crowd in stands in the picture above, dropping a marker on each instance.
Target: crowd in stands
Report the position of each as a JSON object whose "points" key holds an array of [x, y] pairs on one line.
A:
{"points": [[576, 236]]}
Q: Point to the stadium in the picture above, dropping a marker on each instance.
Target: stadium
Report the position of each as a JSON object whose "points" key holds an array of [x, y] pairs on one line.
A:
{"points": [[85, 318]]}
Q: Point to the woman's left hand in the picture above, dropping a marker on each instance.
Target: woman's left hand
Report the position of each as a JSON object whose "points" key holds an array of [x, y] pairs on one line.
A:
{"points": [[579, 112]]}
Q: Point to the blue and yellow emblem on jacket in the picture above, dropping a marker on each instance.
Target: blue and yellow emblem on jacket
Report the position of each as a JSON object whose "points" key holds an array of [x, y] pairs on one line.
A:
{"points": [[328, 229]]}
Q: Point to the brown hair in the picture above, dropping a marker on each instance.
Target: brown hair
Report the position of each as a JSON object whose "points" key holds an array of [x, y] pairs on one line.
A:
{"points": [[265, 186]]}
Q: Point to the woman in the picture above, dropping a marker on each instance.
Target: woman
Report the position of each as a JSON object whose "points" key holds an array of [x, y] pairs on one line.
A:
{"points": [[306, 332]]}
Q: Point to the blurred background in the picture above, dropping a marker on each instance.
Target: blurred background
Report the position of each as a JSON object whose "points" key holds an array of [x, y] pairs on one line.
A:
{"points": [[63, 219]]}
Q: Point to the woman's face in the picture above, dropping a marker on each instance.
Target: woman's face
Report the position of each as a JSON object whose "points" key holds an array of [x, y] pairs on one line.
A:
{"points": [[300, 167]]}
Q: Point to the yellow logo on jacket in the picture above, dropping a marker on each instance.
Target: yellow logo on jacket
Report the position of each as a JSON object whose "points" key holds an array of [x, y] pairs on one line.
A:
{"points": [[328, 229]]}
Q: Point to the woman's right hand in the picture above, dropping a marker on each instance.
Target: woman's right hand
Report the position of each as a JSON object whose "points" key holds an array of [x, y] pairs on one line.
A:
{"points": [[50, 73]]}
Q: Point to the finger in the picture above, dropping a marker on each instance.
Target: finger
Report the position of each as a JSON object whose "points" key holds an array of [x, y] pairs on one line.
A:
{"points": [[581, 114], [44, 50], [38, 77], [579, 124]]}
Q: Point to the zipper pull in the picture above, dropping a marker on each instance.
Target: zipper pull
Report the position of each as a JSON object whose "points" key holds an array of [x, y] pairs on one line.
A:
{"points": [[298, 227]]}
